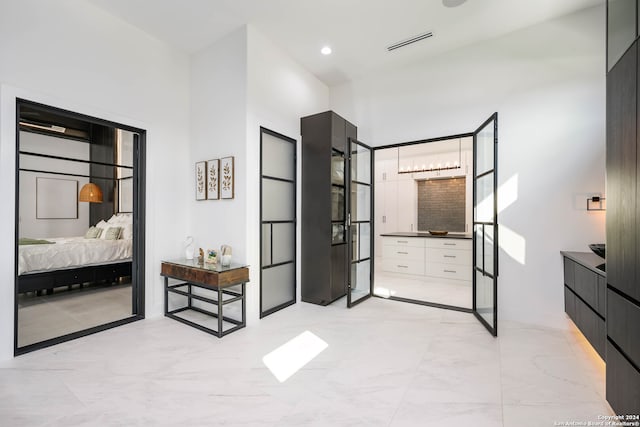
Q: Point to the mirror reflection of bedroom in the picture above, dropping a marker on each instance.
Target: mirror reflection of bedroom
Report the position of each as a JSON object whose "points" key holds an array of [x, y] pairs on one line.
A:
{"points": [[75, 226]]}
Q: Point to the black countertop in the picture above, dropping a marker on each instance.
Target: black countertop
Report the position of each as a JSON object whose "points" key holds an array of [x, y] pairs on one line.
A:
{"points": [[586, 259], [426, 234]]}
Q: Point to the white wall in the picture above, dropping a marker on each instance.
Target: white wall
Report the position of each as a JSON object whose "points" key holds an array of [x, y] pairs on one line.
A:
{"points": [[29, 224], [547, 83], [218, 126], [280, 92], [72, 55], [238, 84]]}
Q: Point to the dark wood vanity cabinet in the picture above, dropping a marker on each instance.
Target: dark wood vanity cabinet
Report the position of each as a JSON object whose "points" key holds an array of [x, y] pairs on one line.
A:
{"points": [[324, 274], [585, 297]]}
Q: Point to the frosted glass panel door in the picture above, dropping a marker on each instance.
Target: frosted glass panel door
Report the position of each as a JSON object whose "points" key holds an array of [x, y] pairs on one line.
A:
{"points": [[278, 221], [360, 221], [485, 220]]}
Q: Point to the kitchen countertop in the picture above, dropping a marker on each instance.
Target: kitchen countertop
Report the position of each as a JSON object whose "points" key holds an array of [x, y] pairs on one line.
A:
{"points": [[587, 259], [426, 234]]}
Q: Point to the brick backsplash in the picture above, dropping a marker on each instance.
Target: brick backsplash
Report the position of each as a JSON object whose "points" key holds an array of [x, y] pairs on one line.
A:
{"points": [[441, 204]]}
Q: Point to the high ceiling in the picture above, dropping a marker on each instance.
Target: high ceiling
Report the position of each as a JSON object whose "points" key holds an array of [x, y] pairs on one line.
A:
{"points": [[357, 30]]}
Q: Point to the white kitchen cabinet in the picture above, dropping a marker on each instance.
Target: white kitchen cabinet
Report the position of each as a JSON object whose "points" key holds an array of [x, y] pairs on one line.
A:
{"points": [[432, 257], [449, 256], [407, 196], [390, 209], [403, 255], [379, 171]]}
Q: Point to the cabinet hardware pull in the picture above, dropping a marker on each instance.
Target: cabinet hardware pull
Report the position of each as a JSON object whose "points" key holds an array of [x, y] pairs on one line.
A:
{"points": [[403, 241], [449, 271], [449, 256], [403, 266], [449, 244], [404, 253]]}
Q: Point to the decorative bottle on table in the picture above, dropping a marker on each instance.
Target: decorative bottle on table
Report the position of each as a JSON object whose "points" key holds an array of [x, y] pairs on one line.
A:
{"points": [[188, 248]]}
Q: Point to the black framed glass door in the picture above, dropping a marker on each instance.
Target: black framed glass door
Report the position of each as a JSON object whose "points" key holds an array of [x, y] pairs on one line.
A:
{"points": [[277, 222], [360, 223], [485, 224]]}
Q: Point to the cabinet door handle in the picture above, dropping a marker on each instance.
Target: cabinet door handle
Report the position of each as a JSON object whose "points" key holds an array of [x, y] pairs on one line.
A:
{"points": [[403, 266], [449, 271], [449, 244], [403, 253], [449, 256], [384, 219], [403, 241]]}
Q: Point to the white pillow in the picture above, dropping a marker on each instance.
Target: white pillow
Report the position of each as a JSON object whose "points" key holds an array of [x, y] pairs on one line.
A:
{"points": [[102, 225], [121, 218], [127, 232], [113, 233]]}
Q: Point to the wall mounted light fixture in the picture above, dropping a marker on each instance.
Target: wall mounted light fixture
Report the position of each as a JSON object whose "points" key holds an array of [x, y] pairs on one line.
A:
{"points": [[596, 203]]}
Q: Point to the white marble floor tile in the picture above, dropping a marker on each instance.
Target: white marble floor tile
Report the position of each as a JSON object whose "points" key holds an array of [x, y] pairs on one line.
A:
{"points": [[386, 364]]}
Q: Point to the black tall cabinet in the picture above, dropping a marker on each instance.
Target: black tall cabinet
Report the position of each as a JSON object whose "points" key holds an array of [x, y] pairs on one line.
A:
{"points": [[623, 221], [325, 261]]}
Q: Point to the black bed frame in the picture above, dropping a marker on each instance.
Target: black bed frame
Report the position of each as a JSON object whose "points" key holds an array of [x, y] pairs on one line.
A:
{"points": [[47, 280]]}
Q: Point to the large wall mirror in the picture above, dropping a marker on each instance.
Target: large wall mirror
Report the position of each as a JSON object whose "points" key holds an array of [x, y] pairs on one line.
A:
{"points": [[79, 225]]}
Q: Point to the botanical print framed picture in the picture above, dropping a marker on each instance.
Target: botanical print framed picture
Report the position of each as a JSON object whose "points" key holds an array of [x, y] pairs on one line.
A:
{"points": [[213, 179], [201, 180], [226, 178]]}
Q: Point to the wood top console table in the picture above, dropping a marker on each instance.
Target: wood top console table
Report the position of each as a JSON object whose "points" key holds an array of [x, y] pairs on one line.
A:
{"points": [[195, 294]]}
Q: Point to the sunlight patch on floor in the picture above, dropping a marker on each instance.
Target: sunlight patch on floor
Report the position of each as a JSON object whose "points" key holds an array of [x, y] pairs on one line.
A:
{"points": [[292, 356]]}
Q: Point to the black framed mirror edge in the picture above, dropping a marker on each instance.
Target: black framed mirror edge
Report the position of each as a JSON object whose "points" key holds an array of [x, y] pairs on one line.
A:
{"points": [[262, 312], [139, 201]]}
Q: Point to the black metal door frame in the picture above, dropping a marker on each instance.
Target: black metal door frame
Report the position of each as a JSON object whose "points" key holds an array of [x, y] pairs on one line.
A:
{"points": [[350, 222], [492, 328], [270, 264], [139, 203]]}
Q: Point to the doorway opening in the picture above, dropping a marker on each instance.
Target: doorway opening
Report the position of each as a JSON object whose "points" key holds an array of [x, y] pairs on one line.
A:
{"points": [[435, 239], [79, 231]]}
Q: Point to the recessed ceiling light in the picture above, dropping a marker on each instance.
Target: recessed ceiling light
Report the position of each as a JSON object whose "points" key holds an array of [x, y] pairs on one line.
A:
{"points": [[326, 50], [453, 3]]}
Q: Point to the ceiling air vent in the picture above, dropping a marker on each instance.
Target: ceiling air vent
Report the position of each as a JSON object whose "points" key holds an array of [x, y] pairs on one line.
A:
{"points": [[409, 41]]}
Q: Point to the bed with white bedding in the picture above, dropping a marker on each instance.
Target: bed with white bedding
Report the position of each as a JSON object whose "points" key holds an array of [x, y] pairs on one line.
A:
{"points": [[71, 252], [71, 260]]}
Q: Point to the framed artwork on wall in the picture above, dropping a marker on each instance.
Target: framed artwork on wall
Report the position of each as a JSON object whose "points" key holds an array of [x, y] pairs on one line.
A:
{"points": [[201, 180], [213, 179], [56, 198], [226, 178]]}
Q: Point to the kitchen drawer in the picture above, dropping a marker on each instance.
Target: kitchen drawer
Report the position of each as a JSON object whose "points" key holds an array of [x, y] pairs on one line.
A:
{"points": [[449, 256], [623, 320], [406, 266], [444, 243], [448, 271], [586, 285], [569, 273], [403, 252], [417, 242], [591, 326], [623, 382]]}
